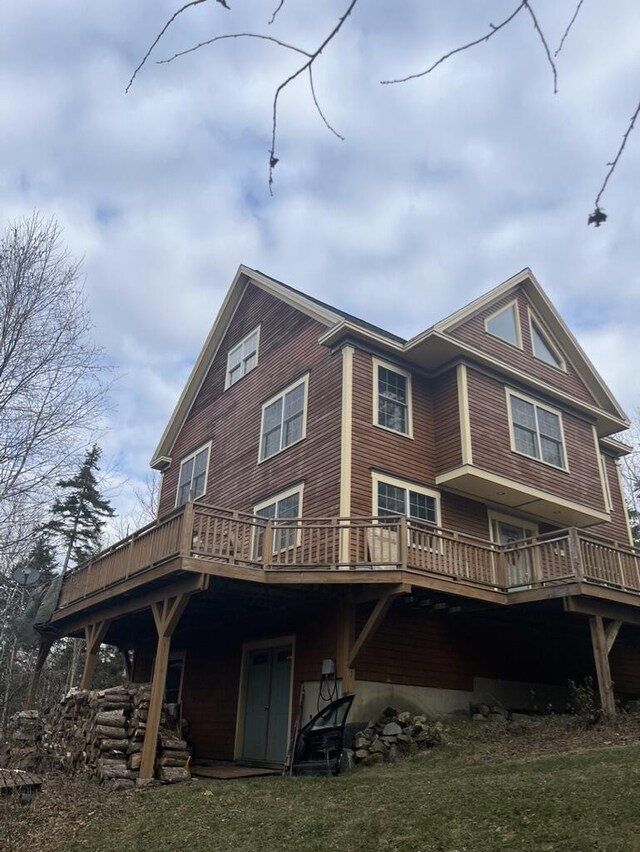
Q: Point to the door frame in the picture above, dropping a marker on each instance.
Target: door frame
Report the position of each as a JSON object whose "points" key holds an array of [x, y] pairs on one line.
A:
{"points": [[247, 647]]}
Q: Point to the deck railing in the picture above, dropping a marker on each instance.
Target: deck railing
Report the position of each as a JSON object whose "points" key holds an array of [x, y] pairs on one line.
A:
{"points": [[200, 531]]}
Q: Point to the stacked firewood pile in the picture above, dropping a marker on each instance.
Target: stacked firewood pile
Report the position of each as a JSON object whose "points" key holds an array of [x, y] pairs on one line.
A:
{"points": [[392, 736], [22, 749], [102, 732]]}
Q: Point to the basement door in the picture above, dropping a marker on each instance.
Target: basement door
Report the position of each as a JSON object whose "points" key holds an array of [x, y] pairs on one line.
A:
{"points": [[267, 697]]}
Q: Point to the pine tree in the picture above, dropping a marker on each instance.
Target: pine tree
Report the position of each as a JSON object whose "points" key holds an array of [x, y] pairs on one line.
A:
{"points": [[79, 518]]}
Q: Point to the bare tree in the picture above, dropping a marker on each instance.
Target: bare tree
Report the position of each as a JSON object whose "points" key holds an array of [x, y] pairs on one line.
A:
{"points": [[312, 54], [52, 376]]}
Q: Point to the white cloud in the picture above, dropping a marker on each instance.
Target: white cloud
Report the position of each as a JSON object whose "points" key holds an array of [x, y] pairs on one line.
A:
{"points": [[442, 188]]}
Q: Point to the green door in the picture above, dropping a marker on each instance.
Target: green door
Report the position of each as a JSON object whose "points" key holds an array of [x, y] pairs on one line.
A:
{"points": [[266, 717]]}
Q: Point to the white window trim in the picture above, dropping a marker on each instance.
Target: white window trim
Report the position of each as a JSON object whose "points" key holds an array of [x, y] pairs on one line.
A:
{"points": [[544, 334], [227, 383], [537, 404], [513, 521], [192, 455], [302, 381], [512, 304], [275, 498], [393, 368], [407, 485]]}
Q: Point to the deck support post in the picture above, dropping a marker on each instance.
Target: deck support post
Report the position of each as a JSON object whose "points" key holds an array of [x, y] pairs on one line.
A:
{"points": [[346, 636], [43, 653], [602, 641], [93, 634], [166, 615]]}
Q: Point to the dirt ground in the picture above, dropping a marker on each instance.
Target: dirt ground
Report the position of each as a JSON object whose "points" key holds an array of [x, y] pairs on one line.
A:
{"points": [[66, 805]]}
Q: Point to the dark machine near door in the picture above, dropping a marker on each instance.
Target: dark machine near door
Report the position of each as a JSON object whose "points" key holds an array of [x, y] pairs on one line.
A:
{"points": [[318, 746]]}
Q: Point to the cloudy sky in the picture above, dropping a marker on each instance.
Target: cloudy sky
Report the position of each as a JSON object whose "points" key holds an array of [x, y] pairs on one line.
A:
{"points": [[442, 188]]}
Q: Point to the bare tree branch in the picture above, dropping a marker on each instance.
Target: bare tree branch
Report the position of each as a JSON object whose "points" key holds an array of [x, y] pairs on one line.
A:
{"points": [[163, 31], [232, 35], [279, 6], [273, 160], [545, 45], [568, 29], [612, 165], [315, 100], [486, 37]]}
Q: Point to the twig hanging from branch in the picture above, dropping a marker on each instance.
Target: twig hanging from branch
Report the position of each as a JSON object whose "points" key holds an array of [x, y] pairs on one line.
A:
{"points": [[568, 29]]}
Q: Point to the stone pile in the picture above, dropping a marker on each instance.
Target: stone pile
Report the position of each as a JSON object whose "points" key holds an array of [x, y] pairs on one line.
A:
{"points": [[392, 736], [102, 732], [489, 713]]}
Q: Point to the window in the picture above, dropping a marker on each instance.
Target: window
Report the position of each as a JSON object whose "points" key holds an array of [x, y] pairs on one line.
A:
{"points": [[192, 481], [395, 497], [173, 683], [242, 358], [543, 349], [283, 420], [392, 398], [279, 508], [505, 324], [537, 431]]}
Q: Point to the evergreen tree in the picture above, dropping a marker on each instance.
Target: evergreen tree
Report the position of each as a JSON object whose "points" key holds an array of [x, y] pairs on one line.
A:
{"points": [[78, 518]]}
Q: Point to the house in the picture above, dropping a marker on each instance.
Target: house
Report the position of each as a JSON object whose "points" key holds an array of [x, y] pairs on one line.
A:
{"points": [[440, 518]]}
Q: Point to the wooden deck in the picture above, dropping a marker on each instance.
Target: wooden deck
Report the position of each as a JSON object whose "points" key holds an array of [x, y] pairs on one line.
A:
{"points": [[209, 540]]}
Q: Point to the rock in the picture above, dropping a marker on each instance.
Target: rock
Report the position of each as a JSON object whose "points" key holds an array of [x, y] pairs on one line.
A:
{"points": [[478, 717], [347, 760], [360, 741], [372, 759], [419, 720], [484, 709], [361, 753], [404, 718], [394, 754], [389, 713], [378, 747], [391, 730], [498, 710], [389, 740]]}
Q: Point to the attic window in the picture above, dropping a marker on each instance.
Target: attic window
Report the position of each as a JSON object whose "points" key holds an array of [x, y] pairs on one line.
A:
{"points": [[542, 348], [505, 325], [242, 358]]}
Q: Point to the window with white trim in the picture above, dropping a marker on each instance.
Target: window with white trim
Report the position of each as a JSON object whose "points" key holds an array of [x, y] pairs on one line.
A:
{"points": [[279, 508], [543, 350], [242, 358], [392, 398], [283, 419], [192, 481], [395, 497], [537, 431], [505, 325]]}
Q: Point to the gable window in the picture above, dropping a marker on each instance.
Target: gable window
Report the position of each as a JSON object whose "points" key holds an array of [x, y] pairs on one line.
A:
{"points": [[505, 324], [392, 398], [242, 358], [283, 419], [281, 507], [543, 349], [537, 431], [396, 497], [192, 481]]}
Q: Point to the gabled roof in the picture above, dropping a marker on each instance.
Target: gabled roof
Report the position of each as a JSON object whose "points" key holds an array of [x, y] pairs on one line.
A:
{"points": [[430, 349]]}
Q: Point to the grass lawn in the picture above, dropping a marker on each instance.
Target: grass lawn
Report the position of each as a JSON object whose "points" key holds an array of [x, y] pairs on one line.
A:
{"points": [[476, 796]]}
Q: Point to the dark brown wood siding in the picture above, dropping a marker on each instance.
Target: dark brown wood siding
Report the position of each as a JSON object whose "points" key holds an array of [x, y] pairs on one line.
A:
{"points": [[379, 449], [491, 447], [473, 332], [617, 528], [231, 418], [464, 515], [448, 444]]}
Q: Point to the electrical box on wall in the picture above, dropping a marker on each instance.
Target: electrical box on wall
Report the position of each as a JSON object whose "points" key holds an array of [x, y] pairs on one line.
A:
{"points": [[328, 669]]}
